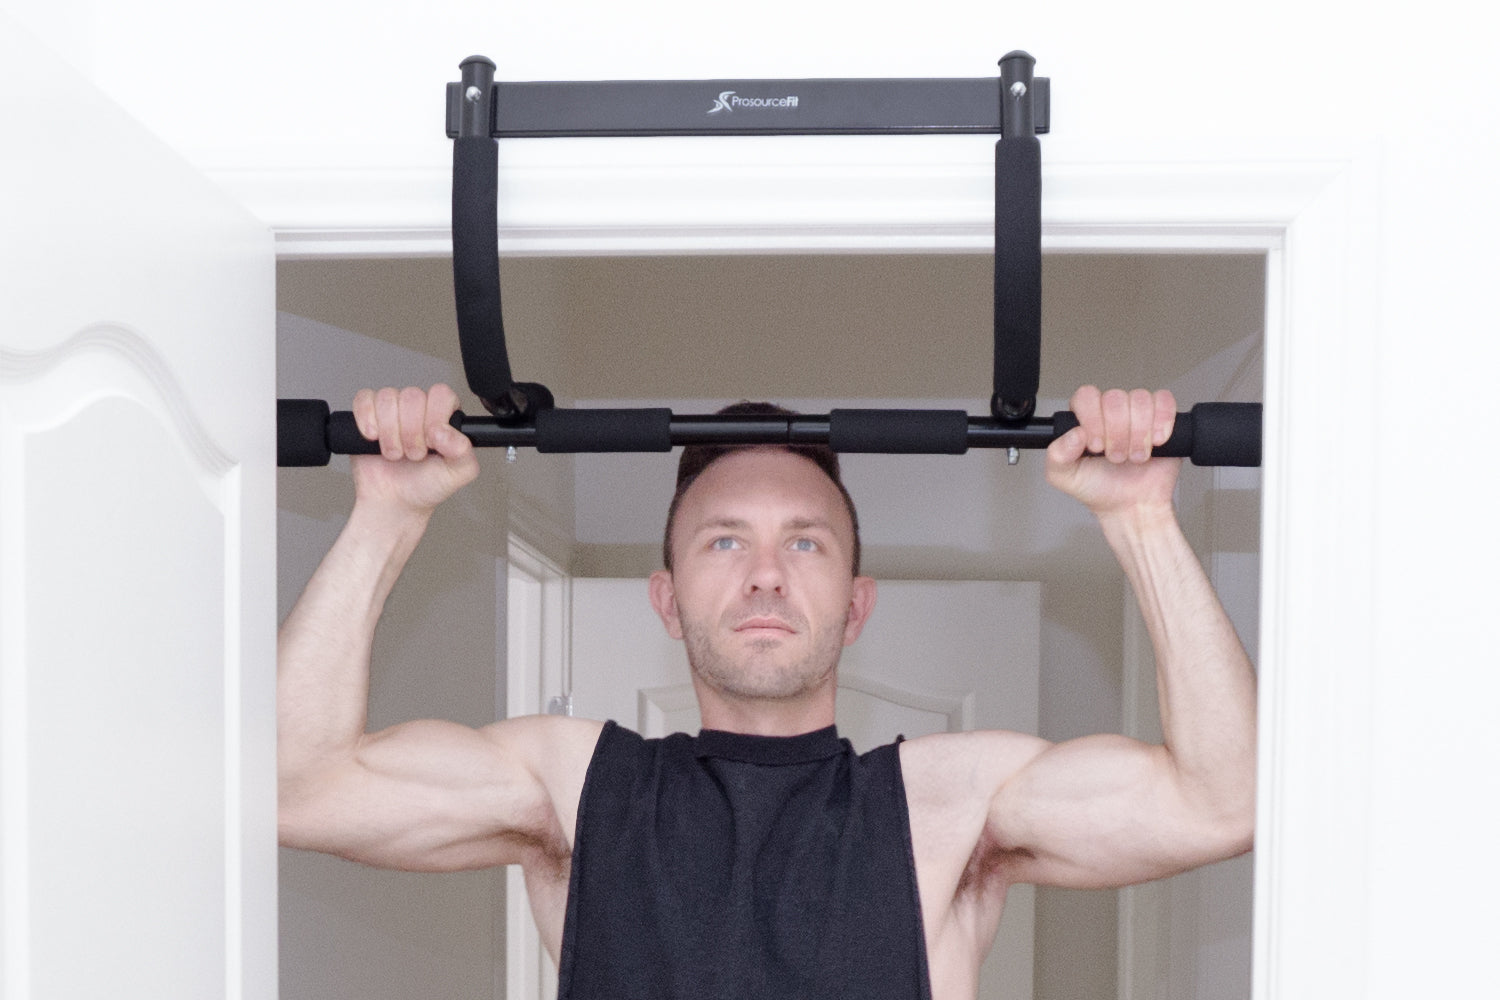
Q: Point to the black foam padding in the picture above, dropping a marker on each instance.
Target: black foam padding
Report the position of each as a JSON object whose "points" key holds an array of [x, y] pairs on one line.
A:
{"points": [[899, 432], [603, 430], [1210, 434], [300, 440], [1227, 434], [476, 266], [1018, 268], [1178, 445], [344, 437]]}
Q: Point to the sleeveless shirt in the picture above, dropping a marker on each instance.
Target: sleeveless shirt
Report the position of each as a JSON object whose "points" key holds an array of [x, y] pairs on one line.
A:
{"points": [[734, 867]]}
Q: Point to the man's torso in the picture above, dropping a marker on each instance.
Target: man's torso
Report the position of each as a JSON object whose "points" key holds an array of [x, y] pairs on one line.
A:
{"points": [[959, 880]]}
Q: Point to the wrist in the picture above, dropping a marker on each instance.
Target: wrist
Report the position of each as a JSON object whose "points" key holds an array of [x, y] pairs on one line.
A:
{"points": [[1139, 518], [388, 518]]}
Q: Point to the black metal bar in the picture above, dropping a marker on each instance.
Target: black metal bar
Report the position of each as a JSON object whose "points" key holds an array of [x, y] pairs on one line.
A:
{"points": [[749, 107], [696, 429], [1211, 434]]}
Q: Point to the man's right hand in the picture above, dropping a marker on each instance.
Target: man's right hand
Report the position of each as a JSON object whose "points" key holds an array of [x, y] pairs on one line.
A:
{"points": [[423, 460]]}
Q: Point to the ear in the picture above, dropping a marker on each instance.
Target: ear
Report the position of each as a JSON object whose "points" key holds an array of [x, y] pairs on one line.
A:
{"points": [[664, 600], [861, 604]]}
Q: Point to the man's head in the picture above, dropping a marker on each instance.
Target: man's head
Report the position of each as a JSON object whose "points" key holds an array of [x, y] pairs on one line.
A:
{"points": [[696, 458], [760, 584]]}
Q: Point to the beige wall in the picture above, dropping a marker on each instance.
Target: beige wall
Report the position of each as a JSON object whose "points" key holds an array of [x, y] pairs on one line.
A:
{"points": [[910, 329]]}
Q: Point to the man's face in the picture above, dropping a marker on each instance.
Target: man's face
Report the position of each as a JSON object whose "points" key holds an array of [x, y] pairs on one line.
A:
{"points": [[761, 589]]}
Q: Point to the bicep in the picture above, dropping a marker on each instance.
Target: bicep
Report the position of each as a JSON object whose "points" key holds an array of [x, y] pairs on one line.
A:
{"points": [[435, 795], [1099, 812]]}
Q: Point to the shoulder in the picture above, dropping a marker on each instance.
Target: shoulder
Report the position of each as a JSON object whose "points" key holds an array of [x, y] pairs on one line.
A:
{"points": [[952, 780], [556, 750], [967, 765]]}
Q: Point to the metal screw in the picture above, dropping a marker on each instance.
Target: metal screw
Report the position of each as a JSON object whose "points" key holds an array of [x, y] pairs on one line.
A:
{"points": [[1017, 89], [510, 453], [473, 94]]}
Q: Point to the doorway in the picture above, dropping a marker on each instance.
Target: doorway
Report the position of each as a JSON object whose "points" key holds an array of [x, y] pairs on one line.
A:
{"points": [[911, 330]]}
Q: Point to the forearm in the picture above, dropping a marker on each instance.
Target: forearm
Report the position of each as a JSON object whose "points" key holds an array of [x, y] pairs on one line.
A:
{"points": [[1206, 685], [323, 649]]}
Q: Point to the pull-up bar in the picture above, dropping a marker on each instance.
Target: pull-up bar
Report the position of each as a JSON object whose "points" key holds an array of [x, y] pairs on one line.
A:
{"points": [[481, 110], [1210, 434]]}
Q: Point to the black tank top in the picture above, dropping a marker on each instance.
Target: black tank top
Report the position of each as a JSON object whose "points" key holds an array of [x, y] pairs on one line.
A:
{"points": [[732, 867]]}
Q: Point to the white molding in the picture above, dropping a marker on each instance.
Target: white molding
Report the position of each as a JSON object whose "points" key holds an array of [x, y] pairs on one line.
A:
{"points": [[1317, 595], [531, 672], [759, 195]]}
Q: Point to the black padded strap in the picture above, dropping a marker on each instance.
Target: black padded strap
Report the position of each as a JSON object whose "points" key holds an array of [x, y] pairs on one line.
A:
{"points": [[476, 268], [1018, 275], [1018, 244]]}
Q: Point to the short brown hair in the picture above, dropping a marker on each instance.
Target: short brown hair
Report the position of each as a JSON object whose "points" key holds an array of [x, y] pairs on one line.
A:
{"points": [[697, 457]]}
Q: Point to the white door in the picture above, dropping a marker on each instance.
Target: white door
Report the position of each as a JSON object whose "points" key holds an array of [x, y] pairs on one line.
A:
{"points": [[934, 657], [137, 615]]}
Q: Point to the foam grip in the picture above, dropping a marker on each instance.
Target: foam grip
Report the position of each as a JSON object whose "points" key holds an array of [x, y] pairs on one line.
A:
{"points": [[1226, 434], [476, 266], [603, 430], [1210, 434], [899, 432], [344, 437], [300, 439]]}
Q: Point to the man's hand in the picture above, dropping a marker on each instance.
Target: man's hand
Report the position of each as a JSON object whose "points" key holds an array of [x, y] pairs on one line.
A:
{"points": [[1105, 462], [423, 460]]}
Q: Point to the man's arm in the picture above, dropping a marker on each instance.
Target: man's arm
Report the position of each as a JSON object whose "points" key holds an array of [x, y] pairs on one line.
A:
{"points": [[421, 795], [1106, 810]]}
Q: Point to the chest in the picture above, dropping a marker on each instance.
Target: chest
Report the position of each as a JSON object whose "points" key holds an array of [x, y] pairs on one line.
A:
{"points": [[729, 878]]}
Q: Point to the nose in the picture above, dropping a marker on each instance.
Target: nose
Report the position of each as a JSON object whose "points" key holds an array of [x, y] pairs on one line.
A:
{"points": [[765, 572]]}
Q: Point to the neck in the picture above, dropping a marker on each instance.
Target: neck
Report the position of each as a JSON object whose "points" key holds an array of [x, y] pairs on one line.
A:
{"points": [[766, 717]]}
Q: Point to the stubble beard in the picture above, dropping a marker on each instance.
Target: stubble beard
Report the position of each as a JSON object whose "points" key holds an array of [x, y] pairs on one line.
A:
{"points": [[752, 671]]}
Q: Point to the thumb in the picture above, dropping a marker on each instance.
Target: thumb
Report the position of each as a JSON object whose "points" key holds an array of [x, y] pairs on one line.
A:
{"points": [[1068, 449]]}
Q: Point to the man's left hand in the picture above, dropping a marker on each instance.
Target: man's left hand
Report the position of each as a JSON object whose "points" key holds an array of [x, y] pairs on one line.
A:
{"points": [[1105, 462]]}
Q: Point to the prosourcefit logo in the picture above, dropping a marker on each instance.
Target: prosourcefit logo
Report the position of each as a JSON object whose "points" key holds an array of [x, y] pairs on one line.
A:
{"points": [[729, 100]]}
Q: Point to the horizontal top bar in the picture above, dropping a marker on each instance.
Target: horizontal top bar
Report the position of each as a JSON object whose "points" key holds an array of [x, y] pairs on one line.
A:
{"points": [[749, 107]]}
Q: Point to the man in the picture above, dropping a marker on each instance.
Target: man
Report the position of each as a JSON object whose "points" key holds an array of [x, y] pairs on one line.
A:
{"points": [[763, 858]]}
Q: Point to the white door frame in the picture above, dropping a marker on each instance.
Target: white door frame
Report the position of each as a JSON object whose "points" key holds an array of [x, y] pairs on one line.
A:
{"points": [[537, 668], [1313, 215]]}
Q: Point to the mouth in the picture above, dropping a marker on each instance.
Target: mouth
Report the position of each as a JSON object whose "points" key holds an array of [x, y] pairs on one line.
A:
{"points": [[764, 625]]}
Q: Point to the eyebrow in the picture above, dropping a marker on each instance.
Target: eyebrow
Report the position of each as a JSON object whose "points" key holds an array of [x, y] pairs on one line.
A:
{"points": [[740, 524]]}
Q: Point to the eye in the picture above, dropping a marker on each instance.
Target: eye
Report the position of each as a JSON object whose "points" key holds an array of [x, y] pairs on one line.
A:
{"points": [[723, 544], [804, 545]]}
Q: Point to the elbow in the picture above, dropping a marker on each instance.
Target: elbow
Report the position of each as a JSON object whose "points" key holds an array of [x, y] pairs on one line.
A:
{"points": [[304, 800], [293, 813], [1233, 822]]}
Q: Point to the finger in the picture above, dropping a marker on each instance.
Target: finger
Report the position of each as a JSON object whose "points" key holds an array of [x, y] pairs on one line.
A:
{"points": [[1116, 407], [413, 423], [388, 422], [1166, 416], [442, 403], [1085, 406], [1142, 423], [1066, 450], [364, 414]]}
